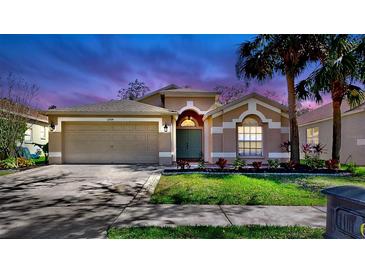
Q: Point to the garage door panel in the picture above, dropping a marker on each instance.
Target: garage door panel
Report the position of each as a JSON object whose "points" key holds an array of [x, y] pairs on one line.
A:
{"points": [[124, 142]]}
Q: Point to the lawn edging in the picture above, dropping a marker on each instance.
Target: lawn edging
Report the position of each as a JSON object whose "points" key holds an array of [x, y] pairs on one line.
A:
{"points": [[180, 172], [24, 170]]}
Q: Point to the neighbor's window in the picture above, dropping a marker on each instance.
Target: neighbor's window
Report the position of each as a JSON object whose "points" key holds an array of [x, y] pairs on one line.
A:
{"points": [[43, 133], [188, 123], [313, 135], [249, 138], [28, 135]]}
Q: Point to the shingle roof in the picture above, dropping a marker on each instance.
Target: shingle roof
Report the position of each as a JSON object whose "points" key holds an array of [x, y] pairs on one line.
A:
{"points": [[176, 90], [114, 107], [325, 112], [25, 111], [248, 96]]}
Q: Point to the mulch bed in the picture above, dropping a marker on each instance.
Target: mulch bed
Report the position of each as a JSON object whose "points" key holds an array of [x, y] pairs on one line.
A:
{"points": [[277, 171]]}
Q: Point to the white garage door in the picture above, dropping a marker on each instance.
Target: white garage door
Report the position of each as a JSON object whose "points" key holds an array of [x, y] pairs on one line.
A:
{"points": [[108, 143]]}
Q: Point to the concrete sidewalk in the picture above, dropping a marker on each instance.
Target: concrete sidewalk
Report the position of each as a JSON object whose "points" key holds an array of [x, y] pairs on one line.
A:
{"points": [[183, 215]]}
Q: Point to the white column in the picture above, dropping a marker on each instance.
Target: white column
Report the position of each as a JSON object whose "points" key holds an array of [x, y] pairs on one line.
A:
{"points": [[173, 139]]}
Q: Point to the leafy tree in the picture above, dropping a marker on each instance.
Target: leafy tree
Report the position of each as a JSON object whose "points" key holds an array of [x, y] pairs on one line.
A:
{"points": [[52, 107], [230, 93], [267, 55], [134, 90], [341, 67]]}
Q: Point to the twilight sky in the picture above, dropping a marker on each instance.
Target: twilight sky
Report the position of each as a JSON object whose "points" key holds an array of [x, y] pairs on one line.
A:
{"points": [[81, 69]]}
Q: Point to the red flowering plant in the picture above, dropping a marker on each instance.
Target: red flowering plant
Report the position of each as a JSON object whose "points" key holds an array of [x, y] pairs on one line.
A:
{"points": [[221, 163], [312, 155], [256, 165]]}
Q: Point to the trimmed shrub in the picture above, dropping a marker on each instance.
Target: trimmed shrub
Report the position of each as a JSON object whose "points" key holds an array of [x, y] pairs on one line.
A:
{"points": [[273, 163], [290, 165], [12, 162], [312, 155], [351, 167], [201, 164], [239, 163], [182, 164]]}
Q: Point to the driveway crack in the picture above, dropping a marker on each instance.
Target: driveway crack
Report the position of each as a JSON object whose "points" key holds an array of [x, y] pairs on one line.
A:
{"points": [[130, 202], [225, 215]]}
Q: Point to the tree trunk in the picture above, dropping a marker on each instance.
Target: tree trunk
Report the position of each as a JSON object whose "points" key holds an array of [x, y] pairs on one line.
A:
{"points": [[336, 130], [294, 133]]}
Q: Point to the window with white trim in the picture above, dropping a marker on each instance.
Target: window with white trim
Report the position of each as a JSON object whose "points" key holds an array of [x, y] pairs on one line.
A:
{"points": [[28, 135], [250, 138], [313, 135]]}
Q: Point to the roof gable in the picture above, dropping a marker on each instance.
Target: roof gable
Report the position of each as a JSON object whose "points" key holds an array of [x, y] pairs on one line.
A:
{"points": [[239, 102], [325, 112], [174, 90]]}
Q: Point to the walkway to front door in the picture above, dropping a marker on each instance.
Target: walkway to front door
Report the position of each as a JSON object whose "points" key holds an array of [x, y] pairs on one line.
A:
{"points": [[189, 144]]}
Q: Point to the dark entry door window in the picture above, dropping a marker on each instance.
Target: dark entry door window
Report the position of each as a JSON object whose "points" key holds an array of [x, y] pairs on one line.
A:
{"points": [[188, 143]]}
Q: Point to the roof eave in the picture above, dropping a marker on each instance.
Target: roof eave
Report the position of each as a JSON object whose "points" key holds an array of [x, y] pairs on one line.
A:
{"points": [[110, 113]]}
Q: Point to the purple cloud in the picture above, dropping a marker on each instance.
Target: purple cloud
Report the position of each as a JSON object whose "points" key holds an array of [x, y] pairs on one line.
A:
{"points": [[81, 69]]}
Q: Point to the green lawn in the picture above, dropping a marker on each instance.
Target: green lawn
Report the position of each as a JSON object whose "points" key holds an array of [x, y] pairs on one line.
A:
{"points": [[5, 172], [247, 190], [210, 232]]}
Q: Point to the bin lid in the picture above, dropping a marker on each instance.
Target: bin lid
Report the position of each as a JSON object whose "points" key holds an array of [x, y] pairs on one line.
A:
{"points": [[350, 193]]}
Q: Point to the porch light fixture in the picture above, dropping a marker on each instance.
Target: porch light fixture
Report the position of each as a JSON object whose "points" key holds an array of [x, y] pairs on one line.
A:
{"points": [[165, 128], [52, 127]]}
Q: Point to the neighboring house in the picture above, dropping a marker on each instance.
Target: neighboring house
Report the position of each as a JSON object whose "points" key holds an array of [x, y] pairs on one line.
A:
{"points": [[36, 133], [316, 127], [37, 125], [169, 124]]}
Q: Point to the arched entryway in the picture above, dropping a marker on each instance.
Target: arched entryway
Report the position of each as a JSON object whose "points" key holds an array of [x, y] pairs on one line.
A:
{"points": [[189, 136]]}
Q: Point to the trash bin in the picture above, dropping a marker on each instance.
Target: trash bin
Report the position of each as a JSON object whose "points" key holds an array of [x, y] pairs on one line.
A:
{"points": [[345, 212]]}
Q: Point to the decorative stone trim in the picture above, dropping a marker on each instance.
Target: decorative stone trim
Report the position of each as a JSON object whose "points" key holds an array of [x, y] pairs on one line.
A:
{"points": [[190, 105], [250, 101], [54, 154], [163, 154], [279, 155], [224, 154], [360, 142], [251, 111]]}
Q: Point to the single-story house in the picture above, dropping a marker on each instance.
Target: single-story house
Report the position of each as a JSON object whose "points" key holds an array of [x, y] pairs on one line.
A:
{"points": [[316, 127], [169, 124]]}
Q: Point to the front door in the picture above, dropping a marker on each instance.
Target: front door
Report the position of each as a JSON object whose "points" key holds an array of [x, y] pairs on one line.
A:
{"points": [[189, 144]]}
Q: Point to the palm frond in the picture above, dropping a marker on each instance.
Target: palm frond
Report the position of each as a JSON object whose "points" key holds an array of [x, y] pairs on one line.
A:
{"points": [[355, 96]]}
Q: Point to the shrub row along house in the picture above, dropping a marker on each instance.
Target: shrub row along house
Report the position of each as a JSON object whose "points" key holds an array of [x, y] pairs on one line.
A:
{"points": [[315, 127], [169, 124]]}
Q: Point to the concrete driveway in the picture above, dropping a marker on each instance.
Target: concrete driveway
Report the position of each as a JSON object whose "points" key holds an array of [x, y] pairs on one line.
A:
{"points": [[68, 201]]}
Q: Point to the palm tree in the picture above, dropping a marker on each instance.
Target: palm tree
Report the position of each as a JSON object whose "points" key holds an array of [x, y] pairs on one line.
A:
{"points": [[287, 55], [341, 68]]}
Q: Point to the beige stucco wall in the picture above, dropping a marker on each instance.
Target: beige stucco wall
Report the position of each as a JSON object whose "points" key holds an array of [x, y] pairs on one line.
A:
{"points": [[165, 143], [352, 134], [224, 136], [177, 103]]}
